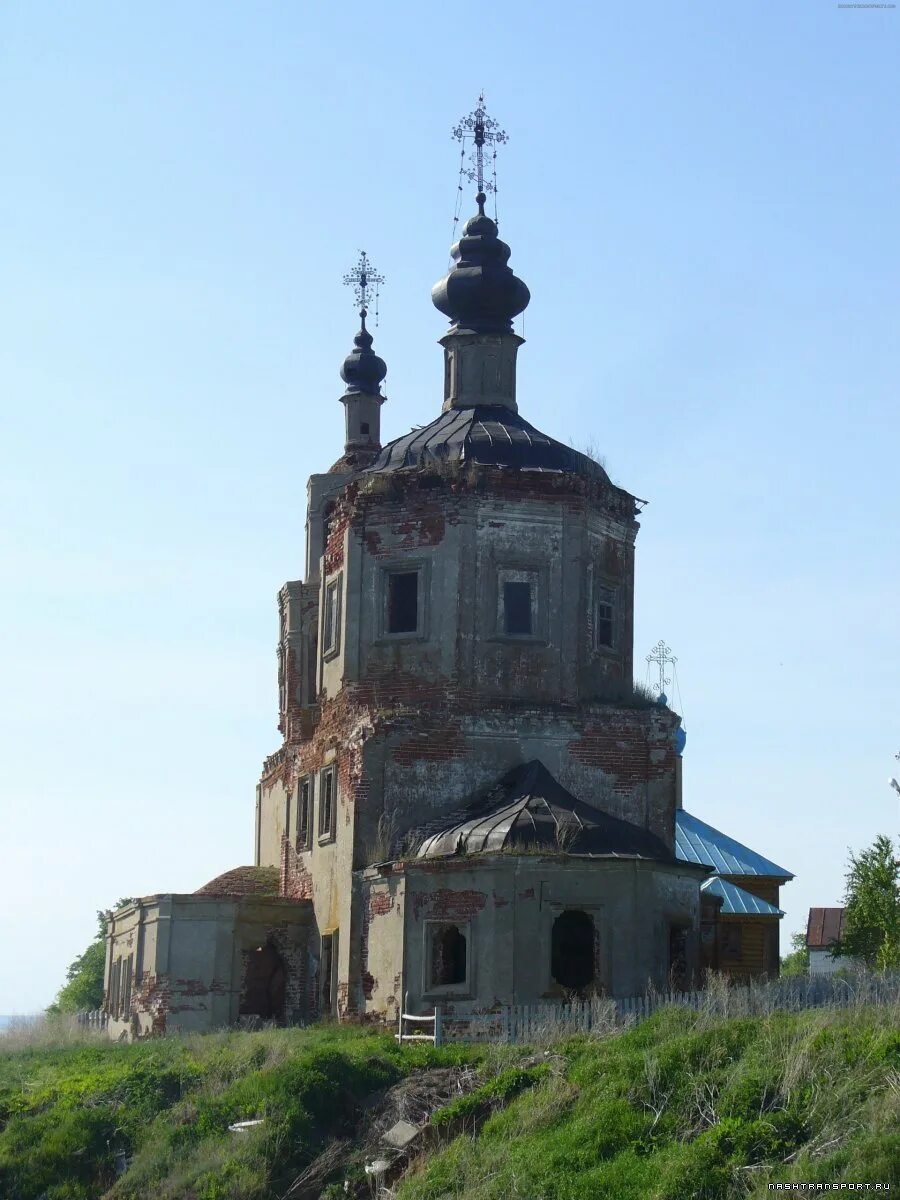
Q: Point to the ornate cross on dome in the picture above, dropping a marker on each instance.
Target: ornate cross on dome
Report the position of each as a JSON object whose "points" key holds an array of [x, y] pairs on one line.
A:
{"points": [[483, 130], [661, 655], [365, 281]]}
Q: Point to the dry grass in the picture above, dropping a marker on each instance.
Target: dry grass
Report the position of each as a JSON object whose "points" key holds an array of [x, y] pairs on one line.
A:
{"points": [[45, 1032]]}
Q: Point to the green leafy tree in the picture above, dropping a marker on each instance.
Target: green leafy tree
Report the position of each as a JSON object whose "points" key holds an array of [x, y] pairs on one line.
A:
{"points": [[83, 988], [872, 907], [797, 962]]}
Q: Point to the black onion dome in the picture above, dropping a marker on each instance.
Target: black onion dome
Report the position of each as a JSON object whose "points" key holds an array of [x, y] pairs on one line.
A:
{"points": [[363, 370], [528, 808], [480, 294], [490, 436]]}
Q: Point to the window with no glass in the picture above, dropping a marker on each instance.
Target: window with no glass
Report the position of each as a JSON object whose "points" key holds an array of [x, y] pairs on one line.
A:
{"points": [[521, 602], [604, 616], [517, 607], [447, 962], [327, 797], [403, 602], [332, 621], [327, 972], [572, 949], [304, 813]]}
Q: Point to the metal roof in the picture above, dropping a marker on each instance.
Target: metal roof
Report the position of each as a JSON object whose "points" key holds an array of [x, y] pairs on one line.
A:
{"points": [[697, 842], [490, 435], [736, 901], [529, 808], [825, 925]]}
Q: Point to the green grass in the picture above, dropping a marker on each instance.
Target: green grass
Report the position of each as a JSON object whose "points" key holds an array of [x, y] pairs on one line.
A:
{"points": [[685, 1107], [67, 1109]]}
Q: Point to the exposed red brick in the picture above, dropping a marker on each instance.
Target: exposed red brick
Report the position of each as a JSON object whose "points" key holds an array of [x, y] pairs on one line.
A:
{"points": [[445, 902]]}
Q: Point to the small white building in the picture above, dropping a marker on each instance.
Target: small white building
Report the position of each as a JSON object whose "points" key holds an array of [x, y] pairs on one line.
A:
{"points": [[825, 927]]}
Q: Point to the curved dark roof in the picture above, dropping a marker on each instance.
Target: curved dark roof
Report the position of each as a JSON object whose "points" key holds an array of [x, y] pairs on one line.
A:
{"points": [[242, 881], [530, 809], [490, 435]]}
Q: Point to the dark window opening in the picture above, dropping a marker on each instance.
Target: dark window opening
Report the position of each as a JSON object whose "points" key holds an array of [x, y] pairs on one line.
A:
{"points": [[448, 956], [326, 803], [264, 980], [332, 615], [311, 655], [572, 949], [731, 941], [403, 602], [678, 957], [364, 427], [517, 607], [605, 616], [327, 512], [304, 809], [326, 973]]}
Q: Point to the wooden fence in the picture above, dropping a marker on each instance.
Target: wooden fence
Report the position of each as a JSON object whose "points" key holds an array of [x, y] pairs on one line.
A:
{"points": [[525, 1024], [93, 1019]]}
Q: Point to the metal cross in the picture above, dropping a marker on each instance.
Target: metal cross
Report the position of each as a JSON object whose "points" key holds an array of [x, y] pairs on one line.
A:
{"points": [[661, 655], [483, 130], [363, 279]]}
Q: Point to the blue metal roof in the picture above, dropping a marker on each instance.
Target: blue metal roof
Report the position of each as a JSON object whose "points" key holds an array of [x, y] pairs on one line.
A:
{"points": [[737, 901], [697, 842]]}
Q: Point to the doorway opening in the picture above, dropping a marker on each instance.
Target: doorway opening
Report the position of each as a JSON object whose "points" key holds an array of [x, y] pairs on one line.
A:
{"points": [[264, 984]]}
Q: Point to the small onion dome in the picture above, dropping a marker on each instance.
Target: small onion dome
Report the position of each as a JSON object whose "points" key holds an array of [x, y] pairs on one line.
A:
{"points": [[680, 739], [480, 294], [363, 370]]}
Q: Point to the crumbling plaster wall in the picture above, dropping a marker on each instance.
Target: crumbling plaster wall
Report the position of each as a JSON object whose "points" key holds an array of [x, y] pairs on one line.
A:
{"points": [[377, 970], [189, 957], [460, 541], [507, 905], [418, 723]]}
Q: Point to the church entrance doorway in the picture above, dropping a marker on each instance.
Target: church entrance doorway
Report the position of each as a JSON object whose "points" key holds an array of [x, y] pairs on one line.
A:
{"points": [[572, 949], [264, 984]]}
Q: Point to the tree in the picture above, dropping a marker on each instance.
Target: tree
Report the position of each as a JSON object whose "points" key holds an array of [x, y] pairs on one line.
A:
{"points": [[83, 989], [872, 907], [797, 962]]}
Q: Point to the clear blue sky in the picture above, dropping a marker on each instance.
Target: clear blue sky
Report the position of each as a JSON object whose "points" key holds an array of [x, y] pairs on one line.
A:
{"points": [[703, 200]]}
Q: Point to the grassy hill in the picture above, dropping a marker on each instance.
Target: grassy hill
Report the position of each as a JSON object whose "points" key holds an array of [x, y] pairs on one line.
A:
{"points": [[684, 1105]]}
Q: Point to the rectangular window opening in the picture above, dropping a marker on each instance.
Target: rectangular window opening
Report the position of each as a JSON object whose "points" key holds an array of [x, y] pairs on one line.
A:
{"points": [[304, 813], [332, 616], [448, 965], [605, 617], [326, 973], [327, 788], [403, 602], [517, 608]]}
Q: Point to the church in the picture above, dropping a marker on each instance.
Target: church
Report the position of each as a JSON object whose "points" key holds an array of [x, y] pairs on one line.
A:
{"points": [[471, 805]]}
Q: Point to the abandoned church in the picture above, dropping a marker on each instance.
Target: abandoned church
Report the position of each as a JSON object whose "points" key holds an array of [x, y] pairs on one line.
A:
{"points": [[472, 805]]}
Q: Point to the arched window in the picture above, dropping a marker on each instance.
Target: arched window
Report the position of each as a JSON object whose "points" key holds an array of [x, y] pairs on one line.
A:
{"points": [[572, 949], [448, 956]]}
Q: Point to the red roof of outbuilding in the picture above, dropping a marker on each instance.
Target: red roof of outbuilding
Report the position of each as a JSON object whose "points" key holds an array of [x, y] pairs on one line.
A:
{"points": [[825, 925]]}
